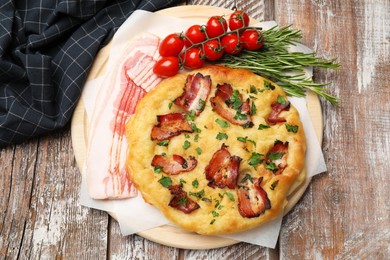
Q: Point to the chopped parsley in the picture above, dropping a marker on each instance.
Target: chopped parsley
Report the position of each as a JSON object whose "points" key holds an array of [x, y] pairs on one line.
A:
{"points": [[212, 221], [271, 166], [195, 128], [222, 123], [182, 201], [240, 116], [230, 196], [281, 100], [247, 177], [182, 182], [221, 136], [245, 139], [292, 128], [214, 213], [158, 169], [195, 183], [198, 194], [268, 85], [275, 156], [201, 104], [261, 127], [252, 89], [274, 184], [186, 145], [170, 105], [235, 100], [190, 116], [165, 181], [255, 159], [163, 143], [253, 109], [198, 150]]}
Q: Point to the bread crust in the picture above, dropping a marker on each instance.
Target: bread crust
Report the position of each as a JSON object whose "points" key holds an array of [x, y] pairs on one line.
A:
{"points": [[218, 212]]}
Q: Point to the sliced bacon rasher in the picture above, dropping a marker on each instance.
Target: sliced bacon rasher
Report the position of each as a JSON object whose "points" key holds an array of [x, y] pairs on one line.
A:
{"points": [[222, 170], [175, 164], [170, 125], [120, 91], [222, 104], [195, 92], [181, 201], [252, 199], [278, 155], [276, 109]]}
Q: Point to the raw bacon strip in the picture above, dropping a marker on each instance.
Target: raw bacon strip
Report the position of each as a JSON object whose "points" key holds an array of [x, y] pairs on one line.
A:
{"points": [[222, 170], [174, 165], [120, 92], [196, 91], [276, 109], [181, 201], [252, 199], [230, 105], [276, 158], [170, 125]]}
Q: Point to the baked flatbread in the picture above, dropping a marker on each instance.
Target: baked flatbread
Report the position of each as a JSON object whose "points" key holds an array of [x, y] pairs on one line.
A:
{"points": [[216, 150]]}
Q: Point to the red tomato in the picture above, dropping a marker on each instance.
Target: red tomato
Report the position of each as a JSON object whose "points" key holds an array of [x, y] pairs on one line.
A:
{"points": [[166, 66], [252, 39], [216, 26], [194, 34], [231, 43], [171, 45], [238, 19], [212, 50], [192, 58]]}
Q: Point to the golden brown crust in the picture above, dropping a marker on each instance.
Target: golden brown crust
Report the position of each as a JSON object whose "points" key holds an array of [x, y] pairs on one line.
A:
{"points": [[218, 213]]}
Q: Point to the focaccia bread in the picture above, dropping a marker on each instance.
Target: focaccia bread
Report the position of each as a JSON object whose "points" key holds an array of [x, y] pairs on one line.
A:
{"points": [[216, 150]]}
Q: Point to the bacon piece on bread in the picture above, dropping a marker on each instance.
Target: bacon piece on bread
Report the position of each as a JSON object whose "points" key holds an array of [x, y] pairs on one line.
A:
{"points": [[222, 170], [252, 199], [196, 91], [276, 109], [230, 105], [170, 125], [181, 201], [276, 158], [174, 165]]}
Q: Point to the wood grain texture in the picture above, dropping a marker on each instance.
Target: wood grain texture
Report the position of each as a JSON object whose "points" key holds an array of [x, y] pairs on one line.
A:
{"points": [[343, 215], [346, 212]]}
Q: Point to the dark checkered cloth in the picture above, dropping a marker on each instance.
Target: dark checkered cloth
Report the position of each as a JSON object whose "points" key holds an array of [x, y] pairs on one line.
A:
{"points": [[46, 50]]}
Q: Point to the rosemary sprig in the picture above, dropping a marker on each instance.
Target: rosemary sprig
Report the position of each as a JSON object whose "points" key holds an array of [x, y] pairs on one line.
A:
{"points": [[275, 62]]}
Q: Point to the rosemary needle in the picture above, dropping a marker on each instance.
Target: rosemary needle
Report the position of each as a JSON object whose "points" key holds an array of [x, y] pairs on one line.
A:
{"points": [[275, 62]]}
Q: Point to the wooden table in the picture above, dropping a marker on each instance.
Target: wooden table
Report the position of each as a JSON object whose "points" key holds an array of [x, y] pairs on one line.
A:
{"points": [[344, 214]]}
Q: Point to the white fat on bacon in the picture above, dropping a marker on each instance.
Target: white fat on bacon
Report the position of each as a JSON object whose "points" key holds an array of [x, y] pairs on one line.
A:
{"points": [[127, 81]]}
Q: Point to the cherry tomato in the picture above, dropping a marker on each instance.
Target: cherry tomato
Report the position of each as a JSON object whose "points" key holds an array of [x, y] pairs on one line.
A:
{"points": [[212, 50], [171, 45], [192, 58], [194, 34], [252, 39], [166, 66], [216, 26], [238, 19], [231, 43]]}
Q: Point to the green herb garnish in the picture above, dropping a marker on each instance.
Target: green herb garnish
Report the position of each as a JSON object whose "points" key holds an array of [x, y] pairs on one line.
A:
{"points": [[222, 123], [186, 145], [255, 159], [165, 181], [221, 136], [292, 128], [261, 127]]}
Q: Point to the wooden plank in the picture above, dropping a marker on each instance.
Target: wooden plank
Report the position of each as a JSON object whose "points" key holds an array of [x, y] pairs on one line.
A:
{"points": [[43, 218], [345, 213]]}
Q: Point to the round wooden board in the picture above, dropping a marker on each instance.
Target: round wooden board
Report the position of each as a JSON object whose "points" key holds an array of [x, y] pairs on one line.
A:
{"points": [[170, 235]]}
